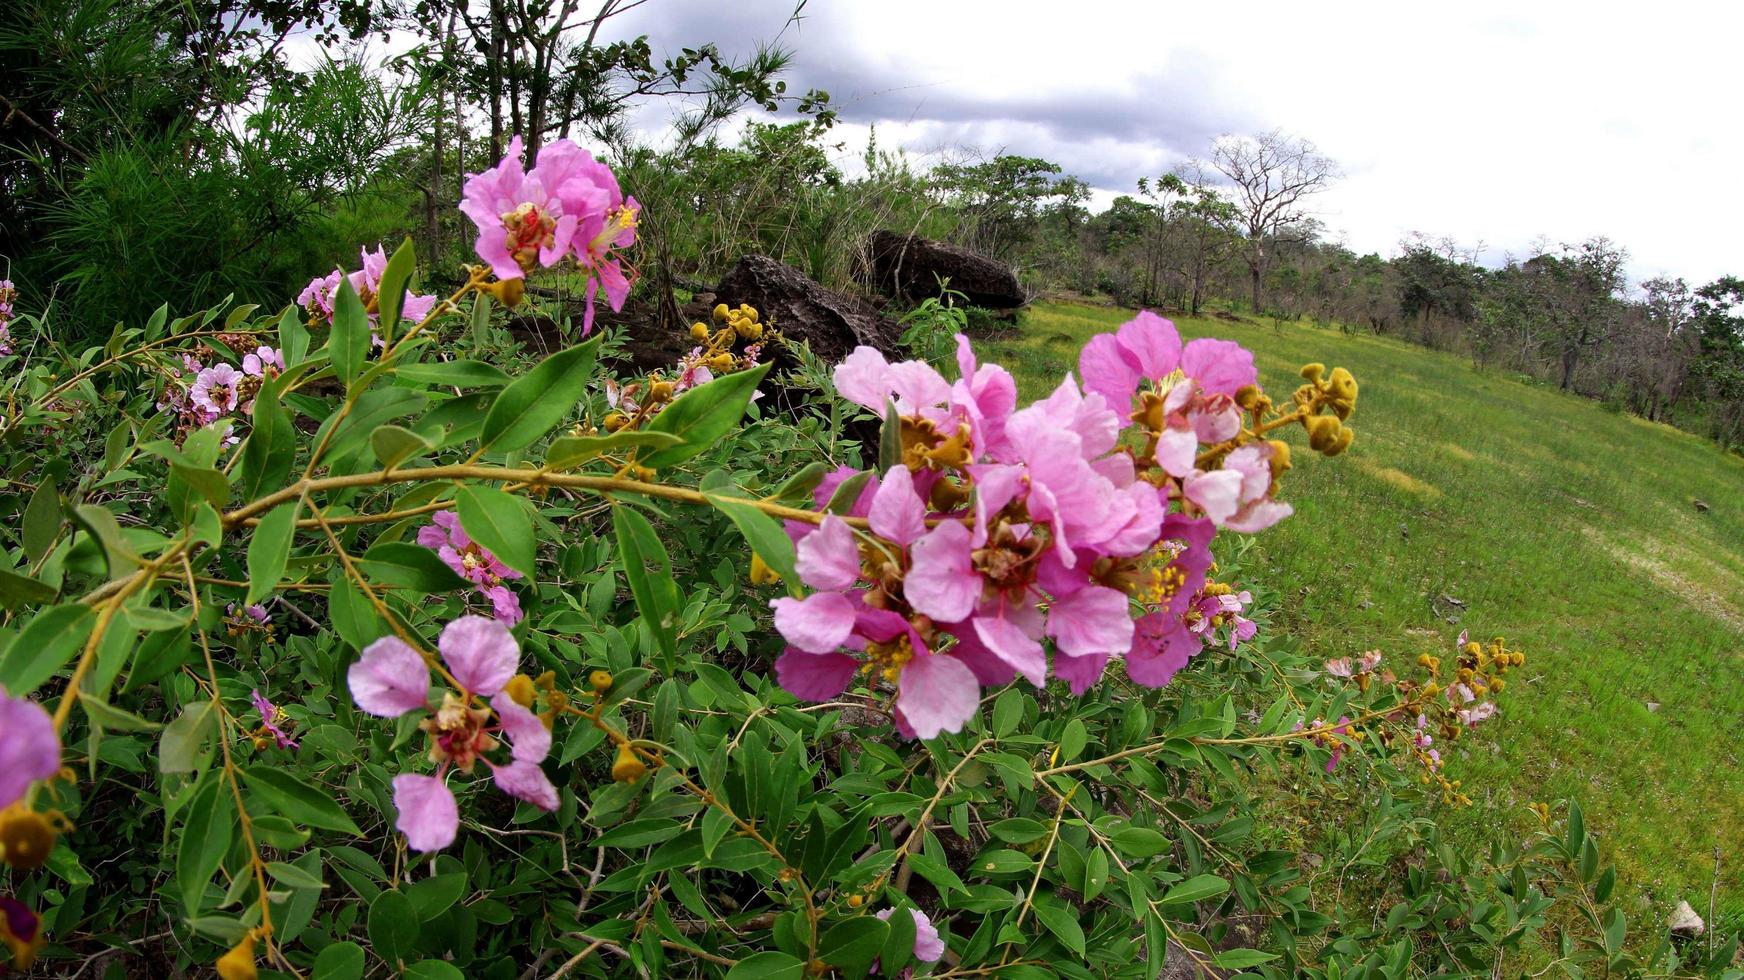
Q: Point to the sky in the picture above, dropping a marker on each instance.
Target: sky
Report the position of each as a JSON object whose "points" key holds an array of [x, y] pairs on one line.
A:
{"points": [[1498, 124]]}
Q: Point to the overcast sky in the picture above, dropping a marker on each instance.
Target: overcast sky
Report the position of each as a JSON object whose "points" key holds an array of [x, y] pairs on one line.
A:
{"points": [[1497, 122]]}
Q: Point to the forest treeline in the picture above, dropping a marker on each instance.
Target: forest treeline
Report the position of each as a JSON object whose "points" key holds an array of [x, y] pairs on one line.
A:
{"points": [[150, 150]]}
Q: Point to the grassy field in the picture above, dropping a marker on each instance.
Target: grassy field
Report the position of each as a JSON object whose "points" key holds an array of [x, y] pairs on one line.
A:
{"points": [[1527, 513]]}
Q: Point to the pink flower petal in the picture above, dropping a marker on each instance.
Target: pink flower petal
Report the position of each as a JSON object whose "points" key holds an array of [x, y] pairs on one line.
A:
{"points": [[390, 679], [480, 652], [1092, 620], [428, 815], [1222, 367], [1160, 648], [526, 781], [942, 582], [829, 558], [1177, 449], [1217, 493], [1011, 644], [928, 947], [1153, 345], [1109, 369], [897, 511], [29, 748], [1080, 673], [864, 379], [529, 740], [936, 694], [818, 623], [815, 676]]}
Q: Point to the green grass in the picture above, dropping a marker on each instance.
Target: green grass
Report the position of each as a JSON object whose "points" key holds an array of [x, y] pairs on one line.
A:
{"points": [[1570, 530]]}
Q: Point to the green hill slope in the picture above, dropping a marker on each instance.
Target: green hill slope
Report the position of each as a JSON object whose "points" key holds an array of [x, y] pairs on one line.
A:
{"points": [[1470, 500]]}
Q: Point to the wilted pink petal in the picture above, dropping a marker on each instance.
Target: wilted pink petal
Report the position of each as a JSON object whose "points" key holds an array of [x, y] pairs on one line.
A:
{"points": [[428, 815], [390, 679], [928, 947], [526, 781], [815, 676], [481, 653], [818, 623], [943, 583], [29, 748], [936, 694]]}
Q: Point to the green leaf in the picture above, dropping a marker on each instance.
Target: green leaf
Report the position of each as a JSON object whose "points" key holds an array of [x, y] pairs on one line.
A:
{"points": [[294, 798], [348, 345], [44, 646], [400, 564], [115, 719], [1140, 842], [703, 415], [292, 876], [42, 520], [1241, 959], [853, 942], [185, 742], [436, 894], [799, 486], [649, 571], [1018, 830], [268, 550], [454, 374], [433, 970], [535, 403], [207, 481], [768, 965], [898, 949], [206, 835], [764, 536], [935, 871], [392, 289], [848, 493], [272, 443], [393, 925], [639, 833], [500, 523], [101, 525], [889, 439], [1195, 889], [1062, 922], [293, 337], [393, 445], [340, 961], [21, 590], [569, 452]]}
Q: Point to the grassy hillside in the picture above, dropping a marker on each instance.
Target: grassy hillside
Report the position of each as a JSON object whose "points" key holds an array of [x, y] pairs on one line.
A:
{"points": [[1473, 500]]}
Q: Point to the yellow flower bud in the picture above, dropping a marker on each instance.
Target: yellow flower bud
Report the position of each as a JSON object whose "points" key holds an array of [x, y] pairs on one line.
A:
{"points": [[600, 680], [1280, 461], [720, 362], [1313, 372], [720, 313], [660, 391], [1247, 396], [238, 964], [520, 690], [508, 292], [855, 901], [1322, 431], [628, 768], [615, 421], [699, 331], [26, 838], [761, 573], [1345, 437]]}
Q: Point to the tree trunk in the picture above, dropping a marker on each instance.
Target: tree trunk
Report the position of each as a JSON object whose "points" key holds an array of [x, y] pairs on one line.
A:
{"points": [[1253, 269]]}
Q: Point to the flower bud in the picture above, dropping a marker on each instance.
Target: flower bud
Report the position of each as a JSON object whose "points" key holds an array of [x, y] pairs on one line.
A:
{"points": [[508, 292], [238, 964], [1322, 431], [26, 838], [600, 681], [1247, 396], [1313, 372], [615, 421], [699, 331], [660, 391], [720, 312], [1345, 437], [520, 690], [1280, 461], [628, 768], [761, 573], [855, 901]]}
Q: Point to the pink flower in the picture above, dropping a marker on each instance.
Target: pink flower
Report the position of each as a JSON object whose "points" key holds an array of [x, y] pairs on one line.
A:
{"points": [[473, 562], [269, 719], [1222, 367], [928, 946], [263, 360], [481, 655], [317, 297], [1112, 365], [367, 283], [568, 203], [20, 931], [214, 392], [29, 748]]}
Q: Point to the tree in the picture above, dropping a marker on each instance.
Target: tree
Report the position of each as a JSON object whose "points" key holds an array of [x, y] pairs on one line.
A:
{"points": [[1273, 173], [1720, 363], [1003, 200]]}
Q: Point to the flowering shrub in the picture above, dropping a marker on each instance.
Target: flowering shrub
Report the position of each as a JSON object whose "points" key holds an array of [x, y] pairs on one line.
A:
{"points": [[1015, 716]]}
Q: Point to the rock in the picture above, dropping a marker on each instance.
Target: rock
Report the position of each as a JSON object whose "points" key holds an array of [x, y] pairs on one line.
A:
{"points": [[832, 323], [1685, 922], [1652, 706], [909, 267], [1701, 505]]}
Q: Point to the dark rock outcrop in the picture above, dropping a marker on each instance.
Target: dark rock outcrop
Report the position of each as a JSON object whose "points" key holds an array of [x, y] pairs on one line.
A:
{"points": [[909, 267], [832, 323]]}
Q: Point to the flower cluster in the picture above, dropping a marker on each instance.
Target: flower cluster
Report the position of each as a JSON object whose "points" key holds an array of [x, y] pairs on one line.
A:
{"points": [[30, 751], [1082, 522], [1430, 710], [318, 296], [392, 679], [200, 394], [7, 294], [272, 722], [635, 403], [567, 204], [473, 562]]}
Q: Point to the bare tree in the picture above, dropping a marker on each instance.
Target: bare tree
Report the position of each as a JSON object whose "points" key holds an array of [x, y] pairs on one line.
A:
{"points": [[1273, 173]]}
